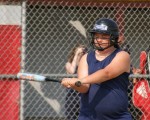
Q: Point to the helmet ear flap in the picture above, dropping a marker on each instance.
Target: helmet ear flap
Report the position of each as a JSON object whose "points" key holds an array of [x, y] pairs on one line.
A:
{"points": [[92, 38], [91, 42]]}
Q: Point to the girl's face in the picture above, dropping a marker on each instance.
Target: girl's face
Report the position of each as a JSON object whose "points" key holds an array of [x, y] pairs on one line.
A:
{"points": [[101, 40]]}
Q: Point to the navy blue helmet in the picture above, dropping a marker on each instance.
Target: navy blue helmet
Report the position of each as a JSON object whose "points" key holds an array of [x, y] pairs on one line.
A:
{"points": [[106, 26]]}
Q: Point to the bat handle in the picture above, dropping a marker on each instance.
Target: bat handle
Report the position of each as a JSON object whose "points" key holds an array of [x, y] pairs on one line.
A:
{"points": [[78, 83], [53, 80]]}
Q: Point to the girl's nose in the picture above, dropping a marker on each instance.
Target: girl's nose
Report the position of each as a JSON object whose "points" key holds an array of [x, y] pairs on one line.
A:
{"points": [[98, 39]]}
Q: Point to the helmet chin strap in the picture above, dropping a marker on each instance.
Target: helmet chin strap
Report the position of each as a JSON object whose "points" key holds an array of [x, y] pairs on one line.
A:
{"points": [[100, 48]]}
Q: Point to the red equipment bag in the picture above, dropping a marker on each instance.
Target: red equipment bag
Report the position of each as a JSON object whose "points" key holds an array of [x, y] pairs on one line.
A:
{"points": [[141, 90]]}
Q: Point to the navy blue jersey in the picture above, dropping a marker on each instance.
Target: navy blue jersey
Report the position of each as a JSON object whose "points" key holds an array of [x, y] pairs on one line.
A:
{"points": [[107, 100]]}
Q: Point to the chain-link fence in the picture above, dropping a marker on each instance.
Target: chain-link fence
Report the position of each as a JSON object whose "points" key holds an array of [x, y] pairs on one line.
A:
{"points": [[37, 35]]}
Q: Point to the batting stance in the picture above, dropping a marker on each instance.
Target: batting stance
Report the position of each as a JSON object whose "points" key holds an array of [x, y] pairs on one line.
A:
{"points": [[103, 76]]}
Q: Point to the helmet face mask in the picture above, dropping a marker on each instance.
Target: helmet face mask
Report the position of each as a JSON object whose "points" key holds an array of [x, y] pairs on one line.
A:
{"points": [[106, 26]]}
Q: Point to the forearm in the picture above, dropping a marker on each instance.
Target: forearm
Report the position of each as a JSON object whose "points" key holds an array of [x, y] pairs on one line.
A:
{"points": [[82, 85], [82, 89], [75, 61], [71, 67], [85, 81], [97, 77]]}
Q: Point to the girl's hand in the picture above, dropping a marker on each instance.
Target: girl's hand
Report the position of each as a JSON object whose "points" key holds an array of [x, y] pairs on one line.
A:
{"points": [[69, 82]]}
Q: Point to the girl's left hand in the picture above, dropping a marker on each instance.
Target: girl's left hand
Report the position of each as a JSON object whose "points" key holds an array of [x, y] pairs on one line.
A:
{"points": [[69, 82]]}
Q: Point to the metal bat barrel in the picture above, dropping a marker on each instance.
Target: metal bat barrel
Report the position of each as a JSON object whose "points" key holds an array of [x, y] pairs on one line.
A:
{"points": [[29, 76]]}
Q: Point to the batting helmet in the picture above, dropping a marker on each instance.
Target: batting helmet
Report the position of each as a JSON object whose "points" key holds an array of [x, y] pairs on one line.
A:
{"points": [[106, 26]]}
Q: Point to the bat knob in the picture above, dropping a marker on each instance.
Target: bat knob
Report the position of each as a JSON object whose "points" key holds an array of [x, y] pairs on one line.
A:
{"points": [[78, 83]]}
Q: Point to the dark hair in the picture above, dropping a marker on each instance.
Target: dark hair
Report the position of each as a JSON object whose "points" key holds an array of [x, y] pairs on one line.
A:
{"points": [[73, 52]]}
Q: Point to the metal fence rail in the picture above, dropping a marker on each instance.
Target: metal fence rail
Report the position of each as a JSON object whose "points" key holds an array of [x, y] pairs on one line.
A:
{"points": [[36, 36], [61, 76]]}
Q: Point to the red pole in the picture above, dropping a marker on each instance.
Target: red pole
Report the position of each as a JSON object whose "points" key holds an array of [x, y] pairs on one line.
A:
{"points": [[10, 37]]}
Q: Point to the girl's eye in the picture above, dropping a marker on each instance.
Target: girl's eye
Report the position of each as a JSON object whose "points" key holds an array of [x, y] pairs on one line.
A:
{"points": [[103, 38]]}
